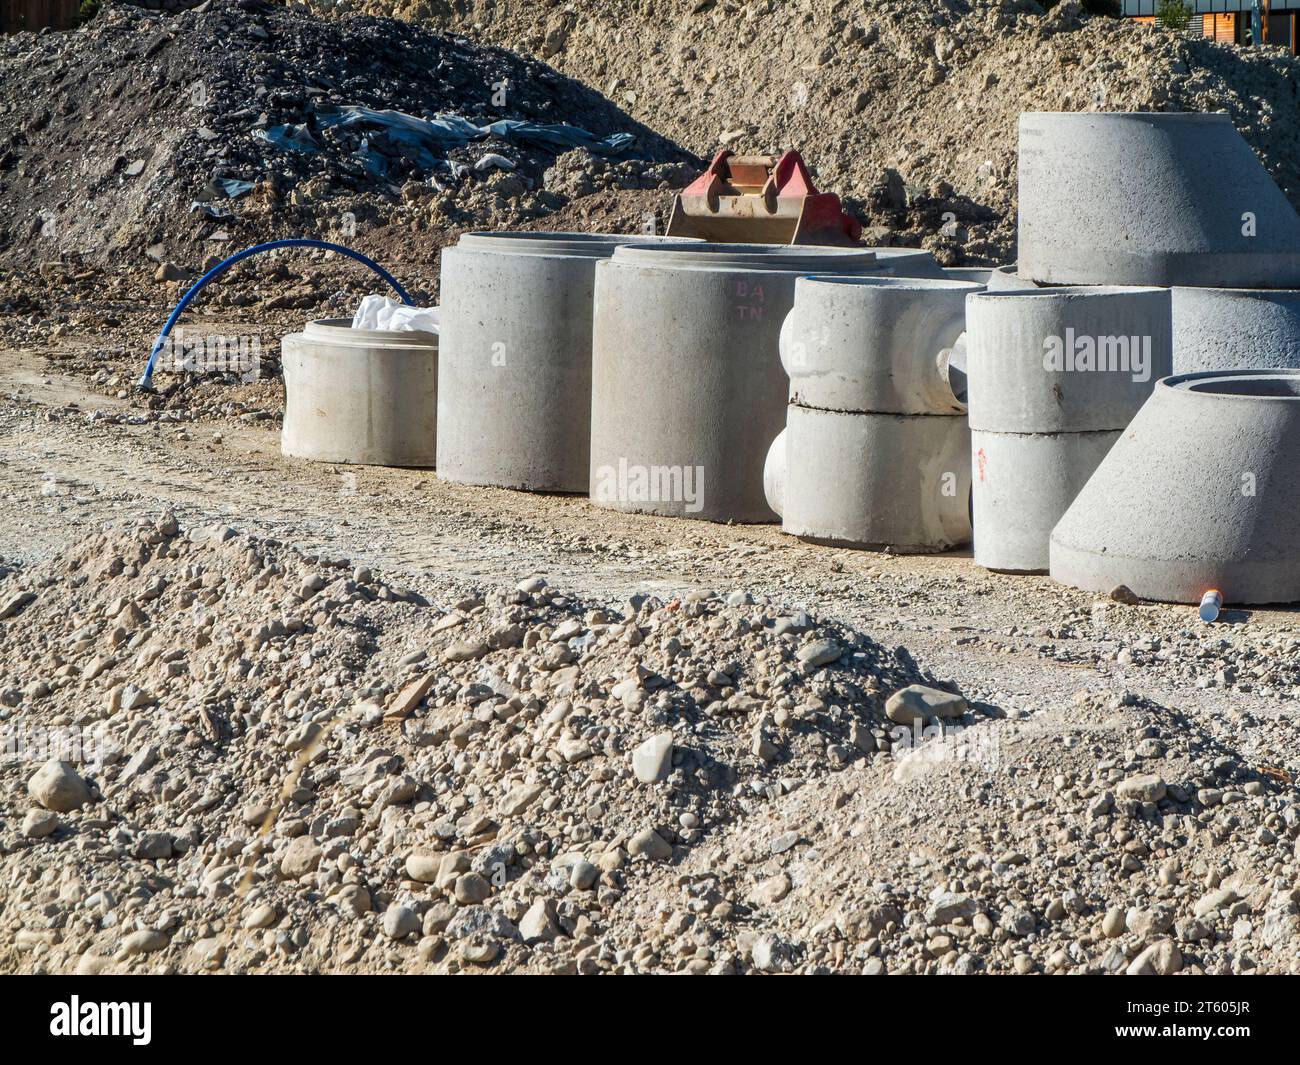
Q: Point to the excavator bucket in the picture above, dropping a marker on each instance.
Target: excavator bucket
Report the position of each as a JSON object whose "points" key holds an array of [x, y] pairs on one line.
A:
{"points": [[760, 199]]}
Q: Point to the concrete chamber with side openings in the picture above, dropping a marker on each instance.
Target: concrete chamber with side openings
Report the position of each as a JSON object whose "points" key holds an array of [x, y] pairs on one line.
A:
{"points": [[875, 452]]}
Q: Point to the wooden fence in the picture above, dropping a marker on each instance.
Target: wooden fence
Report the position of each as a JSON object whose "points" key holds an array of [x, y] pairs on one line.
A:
{"points": [[18, 15]]}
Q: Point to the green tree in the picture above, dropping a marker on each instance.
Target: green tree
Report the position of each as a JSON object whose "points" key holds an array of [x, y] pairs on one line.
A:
{"points": [[1174, 14]]}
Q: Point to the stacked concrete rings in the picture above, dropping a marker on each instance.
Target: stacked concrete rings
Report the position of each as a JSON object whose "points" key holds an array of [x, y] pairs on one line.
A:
{"points": [[687, 388], [1150, 199], [875, 451], [1054, 375], [361, 396], [1201, 492], [1231, 328], [514, 383]]}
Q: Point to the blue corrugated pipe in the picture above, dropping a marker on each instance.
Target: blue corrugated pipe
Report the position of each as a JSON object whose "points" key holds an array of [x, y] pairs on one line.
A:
{"points": [[293, 242]]}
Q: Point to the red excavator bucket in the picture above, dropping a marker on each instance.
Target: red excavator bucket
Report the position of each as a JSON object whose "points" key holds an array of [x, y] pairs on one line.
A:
{"points": [[759, 199]]}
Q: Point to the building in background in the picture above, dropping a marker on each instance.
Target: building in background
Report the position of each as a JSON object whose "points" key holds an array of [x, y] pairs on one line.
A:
{"points": [[1234, 21]]}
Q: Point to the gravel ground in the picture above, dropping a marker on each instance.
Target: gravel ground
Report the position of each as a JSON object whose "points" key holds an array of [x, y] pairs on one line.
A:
{"points": [[359, 720]]}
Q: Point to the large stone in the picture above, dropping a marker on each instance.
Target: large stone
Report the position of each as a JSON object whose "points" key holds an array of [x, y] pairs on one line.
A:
{"points": [[916, 703], [301, 857], [649, 843], [653, 760], [1146, 787], [539, 924], [58, 787]]}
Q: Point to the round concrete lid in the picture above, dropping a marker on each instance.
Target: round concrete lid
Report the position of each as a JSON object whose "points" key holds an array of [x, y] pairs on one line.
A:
{"points": [[785, 258]]}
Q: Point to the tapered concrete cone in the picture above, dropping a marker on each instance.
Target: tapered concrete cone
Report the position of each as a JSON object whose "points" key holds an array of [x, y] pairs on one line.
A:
{"points": [[359, 395], [1150, 199], [1235, 328], [1201, 491]]}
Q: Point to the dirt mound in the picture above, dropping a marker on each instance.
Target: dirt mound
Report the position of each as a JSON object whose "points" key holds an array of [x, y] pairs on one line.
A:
{"points": [[907, 107], [224, 753], [179, 136]]}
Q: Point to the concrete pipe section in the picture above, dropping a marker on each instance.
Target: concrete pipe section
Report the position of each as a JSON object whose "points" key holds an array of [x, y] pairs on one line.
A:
{"points": [[359, 395], [1006, 279], [1236, 328], [687, 386], [898, 482], [979, 275], [1053, 376], [514, 383], [1150, 199], [876, 452], [1200, 492]]}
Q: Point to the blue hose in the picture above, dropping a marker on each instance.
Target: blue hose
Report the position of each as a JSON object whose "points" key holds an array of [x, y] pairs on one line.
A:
{"points": [[146, 381]]}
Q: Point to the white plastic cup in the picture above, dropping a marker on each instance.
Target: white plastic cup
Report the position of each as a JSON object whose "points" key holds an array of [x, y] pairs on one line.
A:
{"points": [[1211, 604]]}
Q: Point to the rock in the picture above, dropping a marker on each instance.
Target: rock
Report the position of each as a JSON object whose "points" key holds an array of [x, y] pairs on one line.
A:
{"points": [[400, 922], [539, 924], [770, 954], [169, 272], [1122, 593], [1146, 787], [480, 950], [15, 603], [519, 799], [145, 941], [261, 916], [38, 823], [1112, 925], [57, 787], [947, 906], [653, 760], [917, 703], [301, 857], [771, 891], [819, 653], [582, 875], [471, 889], [423, 866], [1162, 958], [651, 844], [1219, 899]]}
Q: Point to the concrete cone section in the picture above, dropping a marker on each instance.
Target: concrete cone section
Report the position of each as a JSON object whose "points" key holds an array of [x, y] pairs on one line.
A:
{"points": [[514, 385], [1201, 491], [687, 385], [1053, 375], [877, 481], [1150, 199], [360, 396], [1235, 328]]}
